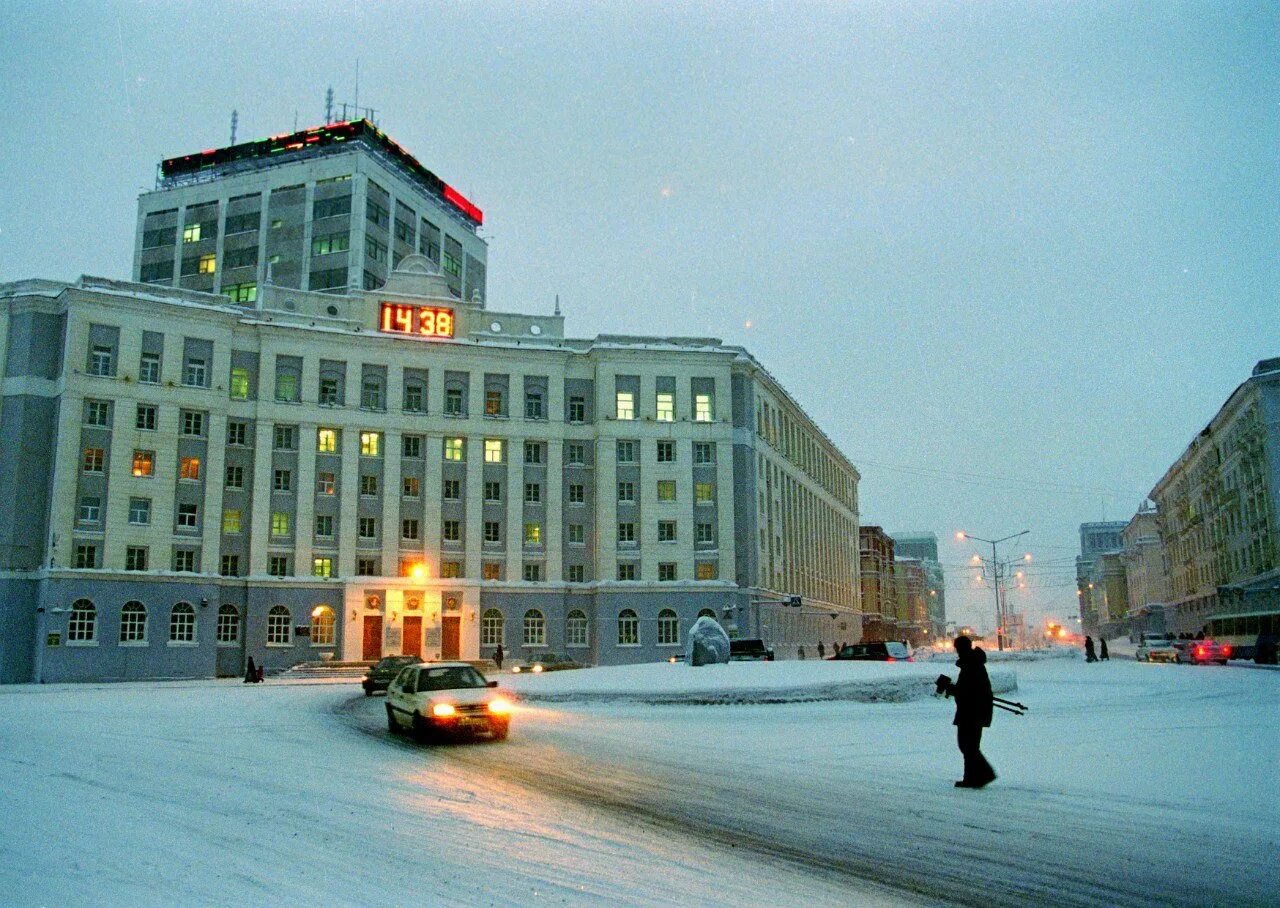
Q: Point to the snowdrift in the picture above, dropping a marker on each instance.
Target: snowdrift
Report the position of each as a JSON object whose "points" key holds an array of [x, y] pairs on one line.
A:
{"points": [[666, 684]]}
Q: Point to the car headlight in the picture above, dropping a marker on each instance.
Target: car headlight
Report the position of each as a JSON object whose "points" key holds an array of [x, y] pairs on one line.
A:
{"points": [[537, 668], [442, 710], [516, 670], [499, 706]]}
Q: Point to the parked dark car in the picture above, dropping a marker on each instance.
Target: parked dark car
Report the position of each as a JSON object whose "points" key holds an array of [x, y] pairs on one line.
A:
{"points": [[749, 651], [546, 662], [379, 677], [893, 651]]}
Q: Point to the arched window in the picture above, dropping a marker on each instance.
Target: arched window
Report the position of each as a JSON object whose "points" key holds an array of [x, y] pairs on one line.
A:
{"points": [[575, 628], [279, 626], [133, 622], [628, 628], [322, 626], [535, 628], [83, 624], [491, 627], [668, 628], [182, 623], [228, 625], [706, 613]]}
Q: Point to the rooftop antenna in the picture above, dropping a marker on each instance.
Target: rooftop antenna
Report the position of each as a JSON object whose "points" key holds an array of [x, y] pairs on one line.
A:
{"points": [[356, 102], [328, 106], [235, 118], [557, 304], [295, 119]]}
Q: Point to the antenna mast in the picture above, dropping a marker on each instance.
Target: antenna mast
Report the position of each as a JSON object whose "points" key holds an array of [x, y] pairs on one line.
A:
{"points": [[328, 106], [235, 118]]}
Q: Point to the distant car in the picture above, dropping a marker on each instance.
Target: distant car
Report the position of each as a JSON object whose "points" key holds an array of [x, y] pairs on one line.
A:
{"points": [[445, 699], [749, 651], [547, 662], [382, 674], [1155, 648], [892, 651], [1202, 652]]}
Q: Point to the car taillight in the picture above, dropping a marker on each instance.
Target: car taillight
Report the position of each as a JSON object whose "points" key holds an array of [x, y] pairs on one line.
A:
{"points": [[891, 659], [1199, 650], [1226, 651]]}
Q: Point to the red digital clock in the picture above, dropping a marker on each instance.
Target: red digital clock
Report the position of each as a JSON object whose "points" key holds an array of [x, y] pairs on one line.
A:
{"points": [[423, 321]]}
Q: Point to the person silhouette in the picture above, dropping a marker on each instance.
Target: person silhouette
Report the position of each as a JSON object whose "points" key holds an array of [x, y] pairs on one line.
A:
{"points": [[974, 707]]}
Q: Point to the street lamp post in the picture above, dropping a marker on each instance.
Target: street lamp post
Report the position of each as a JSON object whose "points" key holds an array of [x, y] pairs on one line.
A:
{"points": [[995, 578]]}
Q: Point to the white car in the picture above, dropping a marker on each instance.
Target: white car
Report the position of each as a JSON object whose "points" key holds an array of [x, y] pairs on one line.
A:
{"points": [[445, 699], [1155, 648]]}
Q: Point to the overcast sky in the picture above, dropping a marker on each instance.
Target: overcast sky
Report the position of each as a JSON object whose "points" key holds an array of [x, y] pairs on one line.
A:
{"points": [[1011, 257]]}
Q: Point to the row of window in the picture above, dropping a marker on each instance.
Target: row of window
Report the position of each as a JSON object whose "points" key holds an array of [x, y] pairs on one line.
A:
{"points": [[577, 630], [82, 626]]}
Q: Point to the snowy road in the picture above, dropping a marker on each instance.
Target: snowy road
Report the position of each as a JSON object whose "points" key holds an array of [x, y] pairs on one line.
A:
{"points": [[1128, 784]]}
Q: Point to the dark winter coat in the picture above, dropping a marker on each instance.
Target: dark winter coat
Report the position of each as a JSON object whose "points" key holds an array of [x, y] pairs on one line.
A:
{"points": [[972, 690]]}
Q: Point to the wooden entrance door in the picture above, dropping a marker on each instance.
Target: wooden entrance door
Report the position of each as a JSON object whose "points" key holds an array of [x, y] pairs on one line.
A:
{"points": [[412, 635], [450, 637], [372, 638]]}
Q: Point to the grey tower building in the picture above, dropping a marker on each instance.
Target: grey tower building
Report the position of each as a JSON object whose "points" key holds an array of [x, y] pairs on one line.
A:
{"points": [[924, 546]]}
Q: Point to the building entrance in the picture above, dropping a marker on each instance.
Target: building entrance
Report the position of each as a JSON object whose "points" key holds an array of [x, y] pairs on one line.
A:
{"points": [[451, 637], [372, 650], [412, 645]]}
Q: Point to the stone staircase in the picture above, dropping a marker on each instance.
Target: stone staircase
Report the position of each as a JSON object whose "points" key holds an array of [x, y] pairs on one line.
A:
{"points": [[335, 670]]}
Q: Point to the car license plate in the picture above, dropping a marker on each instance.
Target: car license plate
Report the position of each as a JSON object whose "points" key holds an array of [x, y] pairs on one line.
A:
{"points": [[470, 721]]}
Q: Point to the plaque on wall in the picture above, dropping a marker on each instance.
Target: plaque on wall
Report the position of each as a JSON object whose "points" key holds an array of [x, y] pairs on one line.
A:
{"points": [[393, 638]]}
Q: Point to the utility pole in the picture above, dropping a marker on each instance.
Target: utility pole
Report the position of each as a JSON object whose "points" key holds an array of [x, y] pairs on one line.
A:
{"points": [[997, 577]]}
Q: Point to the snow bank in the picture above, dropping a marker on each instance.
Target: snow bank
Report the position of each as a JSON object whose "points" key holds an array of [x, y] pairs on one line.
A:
{"points": [[740, 683], [1008, 655]]}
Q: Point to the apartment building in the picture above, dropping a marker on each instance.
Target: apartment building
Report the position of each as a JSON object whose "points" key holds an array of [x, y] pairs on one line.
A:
{"points": [[924, 546], [328, 208], [1096, 539], [194, 479], [880, 609]]}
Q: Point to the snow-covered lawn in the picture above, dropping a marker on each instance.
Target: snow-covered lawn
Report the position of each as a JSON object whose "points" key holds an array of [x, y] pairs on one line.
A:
{"points": [[1126, 784]]}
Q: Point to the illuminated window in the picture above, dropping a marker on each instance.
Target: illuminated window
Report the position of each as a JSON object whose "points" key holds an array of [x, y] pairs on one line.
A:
{"points": [[533, 534], [207, 264], [191, 233], [90, 509], [450, 570], [279, 626], [704, 492], [575, 628], [228, 629], [231, 521], [626, 405], [491, 627], [493, 404], [140, 511], [491, 570], [182, 623], [453, 449], [97, 413], [666, 451], [703, 408], [668, 623], [324, 483], [133, 623], [708, 570], [330, 243], [279, 524], [286, 387], [246, 292], [322, 625], [324, 526], [194, 375], [628, 626], [450, 265], [321, 567], [189, 468], [94, 460], [239, 384], [144, 463], [370, 444], [326, 441], [666, 407], [410, 487], [493, 450], [135, 558], [666, 531], [82, 626], [535, 628], [666, 490]]}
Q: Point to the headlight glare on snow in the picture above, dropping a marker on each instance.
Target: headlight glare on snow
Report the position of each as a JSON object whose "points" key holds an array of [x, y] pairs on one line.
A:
{"points": [[442, 710], [538, 667], [499, 706]]}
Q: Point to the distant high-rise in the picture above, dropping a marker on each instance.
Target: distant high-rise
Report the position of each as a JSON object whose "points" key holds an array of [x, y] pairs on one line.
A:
{"points": [[924, 546], [329, 208], [1096, 540]]}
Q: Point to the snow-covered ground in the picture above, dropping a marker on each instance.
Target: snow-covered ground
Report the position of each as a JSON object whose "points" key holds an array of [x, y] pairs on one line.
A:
{"points": [[1126, 784]]}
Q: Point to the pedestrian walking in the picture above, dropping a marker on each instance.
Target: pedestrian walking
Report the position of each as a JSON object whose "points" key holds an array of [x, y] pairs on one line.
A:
{"points": [[822, 650], [972, 693], [800, 651], [1089, 654], [498, 656], [251, 675], [1103, 655]]}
